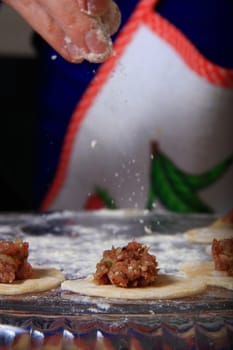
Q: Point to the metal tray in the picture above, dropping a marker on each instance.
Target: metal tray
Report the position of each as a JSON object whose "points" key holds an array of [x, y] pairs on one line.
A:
{"points": [[73, 242]]}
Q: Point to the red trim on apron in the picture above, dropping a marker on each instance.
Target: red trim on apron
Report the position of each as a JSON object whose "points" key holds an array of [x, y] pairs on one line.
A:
{"points": [[191, 56], [143, 14]]}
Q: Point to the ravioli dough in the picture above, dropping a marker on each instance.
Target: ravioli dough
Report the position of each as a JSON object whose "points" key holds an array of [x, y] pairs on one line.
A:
{"points": [[206, 271], [166, 287], [207, 234], [219, 229], [42, 280]]}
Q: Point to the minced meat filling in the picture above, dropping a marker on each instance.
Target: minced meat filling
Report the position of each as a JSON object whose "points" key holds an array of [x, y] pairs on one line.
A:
{"points": [[13, 261], [222, 253], [130, 266]]}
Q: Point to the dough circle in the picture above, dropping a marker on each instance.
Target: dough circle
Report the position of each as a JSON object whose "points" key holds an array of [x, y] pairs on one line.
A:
{"points": [[166, 287], [206, 271], [207, 234], [43, 279]]}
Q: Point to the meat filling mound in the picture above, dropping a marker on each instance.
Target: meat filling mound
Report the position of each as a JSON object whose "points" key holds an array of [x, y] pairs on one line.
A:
{"points": [[222, 253], [13, 261], [130, 266]]}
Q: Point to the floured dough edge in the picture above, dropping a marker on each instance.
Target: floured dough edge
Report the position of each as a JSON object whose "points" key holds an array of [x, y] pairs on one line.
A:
{"points": [[43, 279], [166, 287], [205, 270], [207, 234]]}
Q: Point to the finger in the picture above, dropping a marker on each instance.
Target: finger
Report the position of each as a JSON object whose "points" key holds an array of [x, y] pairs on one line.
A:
{"points": [[94, 7], [112, 18], [85, 35], [106, 9], [44, 25]]}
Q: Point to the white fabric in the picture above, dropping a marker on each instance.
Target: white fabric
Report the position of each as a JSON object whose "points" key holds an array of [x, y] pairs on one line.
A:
{"points": [[151, 95]]}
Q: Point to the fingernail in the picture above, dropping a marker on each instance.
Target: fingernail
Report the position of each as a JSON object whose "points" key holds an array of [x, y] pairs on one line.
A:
{"points": [[97, 42], [74, 51], [99, 46]]}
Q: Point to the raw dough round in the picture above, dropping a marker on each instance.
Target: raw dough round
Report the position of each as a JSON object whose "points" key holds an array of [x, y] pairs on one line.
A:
{"points": [[219, 229], [205, 270], [207, 234], [166, 287], [42, 280]]}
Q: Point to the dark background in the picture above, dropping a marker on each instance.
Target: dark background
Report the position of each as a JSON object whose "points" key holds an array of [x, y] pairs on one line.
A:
{"points": [[17, 120]]}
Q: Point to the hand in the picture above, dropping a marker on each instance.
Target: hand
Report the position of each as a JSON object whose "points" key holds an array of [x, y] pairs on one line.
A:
{"points": [[76, 29]]}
